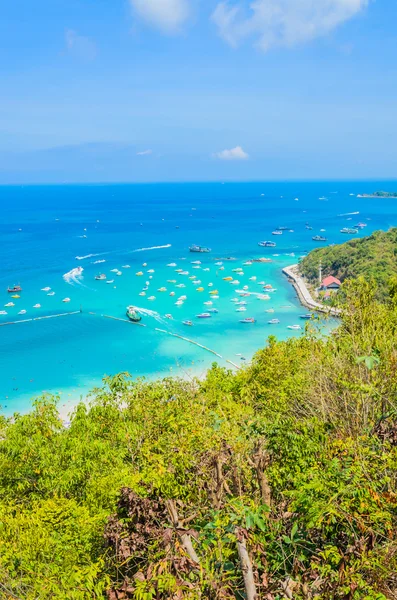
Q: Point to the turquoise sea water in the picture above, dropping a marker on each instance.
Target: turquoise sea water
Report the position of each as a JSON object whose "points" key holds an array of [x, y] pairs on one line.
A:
{"points": [[44, 228]]}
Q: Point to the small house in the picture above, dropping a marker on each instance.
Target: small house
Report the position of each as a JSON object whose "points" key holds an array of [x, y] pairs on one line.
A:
{"points": [[330, 283]]}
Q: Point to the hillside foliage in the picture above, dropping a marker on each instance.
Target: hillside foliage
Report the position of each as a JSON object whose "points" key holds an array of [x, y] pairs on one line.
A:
{"points": [[278, 481], [373, 257]]}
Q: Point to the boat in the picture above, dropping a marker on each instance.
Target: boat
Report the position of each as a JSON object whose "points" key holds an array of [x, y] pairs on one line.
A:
{"points": [[139, 274], [51, 294], [151, 271], [214, 292], [209, 303], [188, 323], [294, 327], [66, 300], [179, 303], [200, 289], [201, 249], [196, 262], [309, 227], [282, 228], [126, 266], [171, 280], [277, 232], [319, 238], [9, 304], [241, 309], [152, 298], [245, 287], [253, 278], [219, 264], [22, 312], [360, 225], [248, 320], [142, 294], [118, 273], [37, 306], [172, 293], [101, 277], [171, 265], [273, 321], [168, 316], [3, 312], [45, 289], [307, 316], [133, 314], [228, 279], [248, 263], [15, 288], [235, 282], [110, 281], [162, 289], [15, 296], [205, 315], [349, 230], [213, 310]]}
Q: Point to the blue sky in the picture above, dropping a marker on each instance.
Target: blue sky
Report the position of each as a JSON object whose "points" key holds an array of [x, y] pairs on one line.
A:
{"points": [[157, 90]]}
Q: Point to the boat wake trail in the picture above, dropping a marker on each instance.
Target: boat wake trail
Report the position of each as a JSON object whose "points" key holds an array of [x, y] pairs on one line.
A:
{"points": [[149, 313], [75, 276], [152, 248], [91, 255]]}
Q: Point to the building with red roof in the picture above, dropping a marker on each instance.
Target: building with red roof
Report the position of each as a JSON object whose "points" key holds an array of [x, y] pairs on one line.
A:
{"points": [[330, 283]]}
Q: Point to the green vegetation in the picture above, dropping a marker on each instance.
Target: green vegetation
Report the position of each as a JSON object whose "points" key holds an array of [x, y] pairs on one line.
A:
{"points": [[380, 194], [373, 257], [279, 480]]}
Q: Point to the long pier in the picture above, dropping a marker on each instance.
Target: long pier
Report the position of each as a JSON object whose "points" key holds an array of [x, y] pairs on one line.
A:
{"points": [[304, 295]]}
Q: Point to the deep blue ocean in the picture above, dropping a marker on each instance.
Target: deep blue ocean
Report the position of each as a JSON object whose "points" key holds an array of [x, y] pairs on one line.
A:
{"points": [[44, 228]]}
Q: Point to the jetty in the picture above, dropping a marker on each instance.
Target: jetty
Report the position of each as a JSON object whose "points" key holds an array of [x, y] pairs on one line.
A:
{"points": [[304, 295]]}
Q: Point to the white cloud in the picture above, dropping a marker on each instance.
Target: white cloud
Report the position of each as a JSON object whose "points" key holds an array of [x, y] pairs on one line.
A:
{"points": [[167, 15], [80, 45], [236, 153], [144, 153], [282, 22]]}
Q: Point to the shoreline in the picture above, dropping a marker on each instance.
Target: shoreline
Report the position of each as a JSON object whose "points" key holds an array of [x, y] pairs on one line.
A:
{"points": [[303, 293]]}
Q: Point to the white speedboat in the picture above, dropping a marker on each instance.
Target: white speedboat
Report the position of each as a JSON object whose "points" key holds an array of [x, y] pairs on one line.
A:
{"points": [[294, 327]]}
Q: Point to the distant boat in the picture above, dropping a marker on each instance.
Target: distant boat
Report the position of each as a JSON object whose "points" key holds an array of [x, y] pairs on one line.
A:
{"points": [[319, 238], [294, 327], [349, 230], [248, 320], [204, 316], [188, 323], [282, 228], [268, 244], [307, 316], [133, 315], [22, 312], [66, 300], [361, 225], [15, 288], [308, 227], [101, 277], [273, 321], [277, 232], [201, 249], [213, 310]]}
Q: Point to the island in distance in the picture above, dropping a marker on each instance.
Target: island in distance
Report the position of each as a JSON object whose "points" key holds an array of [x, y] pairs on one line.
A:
{"points": [[378, 195]]}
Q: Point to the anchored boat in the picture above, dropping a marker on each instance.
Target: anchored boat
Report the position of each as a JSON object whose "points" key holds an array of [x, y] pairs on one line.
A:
{"points": [[201, 249], [15, 288]]}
